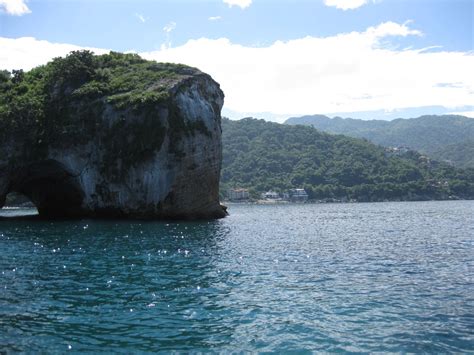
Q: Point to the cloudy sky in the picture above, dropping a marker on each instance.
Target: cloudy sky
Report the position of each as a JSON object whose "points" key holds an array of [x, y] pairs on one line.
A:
{"points": [[273, 58]]}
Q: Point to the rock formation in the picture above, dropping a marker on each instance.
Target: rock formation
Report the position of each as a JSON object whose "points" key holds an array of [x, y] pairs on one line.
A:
{"points": [[112, 136]]}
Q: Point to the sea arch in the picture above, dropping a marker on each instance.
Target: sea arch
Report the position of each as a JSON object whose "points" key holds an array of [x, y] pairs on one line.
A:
{"points": [[51, 187]]}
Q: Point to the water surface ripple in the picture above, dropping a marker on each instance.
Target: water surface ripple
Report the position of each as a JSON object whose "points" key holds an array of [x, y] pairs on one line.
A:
{"points": [[390, 277]]}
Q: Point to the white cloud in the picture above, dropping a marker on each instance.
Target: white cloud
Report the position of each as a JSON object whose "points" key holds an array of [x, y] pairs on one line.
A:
{"points": [[348, 72], [14, 7], [169, 27], [141, 17], [346, 4], [241, 3], [392, 29], [214, 18], [27, 52]]}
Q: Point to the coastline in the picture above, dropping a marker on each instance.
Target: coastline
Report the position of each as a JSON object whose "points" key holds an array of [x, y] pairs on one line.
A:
{"points": [[325, 201]]}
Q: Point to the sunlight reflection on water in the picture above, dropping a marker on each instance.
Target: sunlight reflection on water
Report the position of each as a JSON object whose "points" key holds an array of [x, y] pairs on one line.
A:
{"points": [[343, 277]]}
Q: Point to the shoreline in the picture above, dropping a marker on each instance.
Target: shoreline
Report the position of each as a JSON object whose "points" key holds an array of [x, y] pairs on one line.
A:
{"points": [[313, 202]]}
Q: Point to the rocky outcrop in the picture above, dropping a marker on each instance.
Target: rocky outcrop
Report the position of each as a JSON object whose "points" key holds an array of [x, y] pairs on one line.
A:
{"points": [[113, 136]]}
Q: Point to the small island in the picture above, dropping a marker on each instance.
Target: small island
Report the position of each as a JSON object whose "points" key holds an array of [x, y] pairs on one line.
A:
{"points": [[112, 136]]}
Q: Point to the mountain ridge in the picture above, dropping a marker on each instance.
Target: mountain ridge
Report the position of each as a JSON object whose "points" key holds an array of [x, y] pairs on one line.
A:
{"points": [[261, 156], [433, 135]]}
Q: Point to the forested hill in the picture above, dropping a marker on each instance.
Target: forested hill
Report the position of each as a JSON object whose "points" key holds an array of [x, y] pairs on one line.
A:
{"points": [[262, 155], [437, 136]]}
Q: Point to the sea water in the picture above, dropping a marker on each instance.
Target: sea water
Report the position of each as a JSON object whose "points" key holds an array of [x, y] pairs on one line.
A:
{"points": [[375, 277]]}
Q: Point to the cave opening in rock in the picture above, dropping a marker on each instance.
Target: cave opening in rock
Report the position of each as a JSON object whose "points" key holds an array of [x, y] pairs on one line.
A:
{"points": [[17, 200], [51, 187]]}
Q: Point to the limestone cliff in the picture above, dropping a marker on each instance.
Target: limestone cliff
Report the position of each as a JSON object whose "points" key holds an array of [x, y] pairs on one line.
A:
{"points": [[112, 136]]}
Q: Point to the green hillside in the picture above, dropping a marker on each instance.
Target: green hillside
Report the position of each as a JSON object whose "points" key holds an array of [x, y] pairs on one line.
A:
{"points": [[459, 154], [262, 155], [436, 136]]}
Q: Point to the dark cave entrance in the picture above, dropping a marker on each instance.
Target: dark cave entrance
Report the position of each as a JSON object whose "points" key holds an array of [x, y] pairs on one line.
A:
{"points": [[54, 191]]}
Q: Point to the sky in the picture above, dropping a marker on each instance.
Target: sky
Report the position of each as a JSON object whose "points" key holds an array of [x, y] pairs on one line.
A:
{"points": [[274, 59]]}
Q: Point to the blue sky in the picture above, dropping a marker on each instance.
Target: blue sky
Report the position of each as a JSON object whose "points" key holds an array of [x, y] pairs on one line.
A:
{"points": [[296, 49]]}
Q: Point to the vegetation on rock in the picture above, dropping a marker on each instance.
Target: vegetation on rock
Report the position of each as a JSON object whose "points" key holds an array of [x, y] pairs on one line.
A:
{"points": [[261, 155], [63, 104]]}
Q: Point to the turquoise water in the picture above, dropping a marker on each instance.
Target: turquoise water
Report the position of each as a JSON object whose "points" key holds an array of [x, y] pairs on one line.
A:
{"points": [[393, 277]]}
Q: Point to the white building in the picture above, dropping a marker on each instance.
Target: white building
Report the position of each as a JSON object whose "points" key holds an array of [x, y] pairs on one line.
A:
{"points": [[238, 194], [298, 195], [270, 195]]}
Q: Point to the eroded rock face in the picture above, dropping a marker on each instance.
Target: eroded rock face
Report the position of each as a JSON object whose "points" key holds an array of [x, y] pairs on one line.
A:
{"points": [[149, 153]]}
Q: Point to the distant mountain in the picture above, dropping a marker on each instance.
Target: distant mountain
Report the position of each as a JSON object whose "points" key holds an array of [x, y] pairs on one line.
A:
{"points": [[447, 137], [459, 154], [262, 156]]}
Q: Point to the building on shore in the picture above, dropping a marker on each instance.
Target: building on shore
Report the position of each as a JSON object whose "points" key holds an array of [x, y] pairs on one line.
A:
{"points": [[238, 194], [293, 195], [270, 195], [298, 195]]}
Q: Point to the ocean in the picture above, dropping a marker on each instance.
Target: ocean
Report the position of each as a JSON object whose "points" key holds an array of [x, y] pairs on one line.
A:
{"points": [[361, 277]]}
